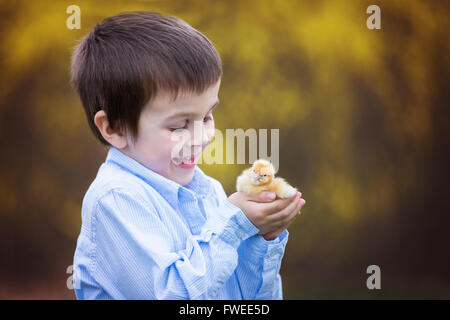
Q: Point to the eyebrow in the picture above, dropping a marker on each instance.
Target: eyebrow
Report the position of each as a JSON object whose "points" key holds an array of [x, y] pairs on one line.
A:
{"points": [[187, 114]]}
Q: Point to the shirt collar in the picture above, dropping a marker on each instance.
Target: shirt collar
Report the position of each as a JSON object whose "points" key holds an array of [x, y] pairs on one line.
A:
{"points": [[170, 190]]}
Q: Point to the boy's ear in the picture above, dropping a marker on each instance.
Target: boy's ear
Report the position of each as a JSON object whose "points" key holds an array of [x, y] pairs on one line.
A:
{"points": [[114, 136]]}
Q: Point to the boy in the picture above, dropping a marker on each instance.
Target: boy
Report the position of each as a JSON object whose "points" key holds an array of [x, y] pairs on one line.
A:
{"points": [[154, 226]]}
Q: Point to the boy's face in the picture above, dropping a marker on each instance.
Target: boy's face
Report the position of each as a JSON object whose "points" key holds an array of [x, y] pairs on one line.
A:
{"points": [[173, 134]]}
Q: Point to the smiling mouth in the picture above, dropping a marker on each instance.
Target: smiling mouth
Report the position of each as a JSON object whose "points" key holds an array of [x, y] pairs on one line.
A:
{"points": [[186, 160]]}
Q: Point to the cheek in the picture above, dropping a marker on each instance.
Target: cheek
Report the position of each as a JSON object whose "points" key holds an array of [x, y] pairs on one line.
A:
{"points": [[156, 146]]}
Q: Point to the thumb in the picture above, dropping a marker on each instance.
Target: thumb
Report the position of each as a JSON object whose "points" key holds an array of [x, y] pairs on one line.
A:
{"points": [[264, 196]]}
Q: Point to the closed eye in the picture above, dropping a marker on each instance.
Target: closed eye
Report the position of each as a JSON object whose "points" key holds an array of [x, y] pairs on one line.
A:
{"points": [[206, 119], [184, 127]]}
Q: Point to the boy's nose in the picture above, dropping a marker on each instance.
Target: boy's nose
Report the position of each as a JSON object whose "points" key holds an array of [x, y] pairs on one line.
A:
{"points": [[202, 137]]}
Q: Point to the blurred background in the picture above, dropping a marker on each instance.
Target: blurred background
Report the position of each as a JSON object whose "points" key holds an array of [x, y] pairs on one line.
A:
{"points": [[364, 134]]}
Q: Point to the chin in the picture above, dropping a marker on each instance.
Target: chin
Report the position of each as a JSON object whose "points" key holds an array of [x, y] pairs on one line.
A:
{"points": [[183, 177]]}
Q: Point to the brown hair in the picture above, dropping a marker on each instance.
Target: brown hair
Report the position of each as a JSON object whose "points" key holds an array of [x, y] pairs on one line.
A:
{"points": [[126, 59]]}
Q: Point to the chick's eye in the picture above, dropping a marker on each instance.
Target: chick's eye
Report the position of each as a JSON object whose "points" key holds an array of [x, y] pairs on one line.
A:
{"points": [[206, 119]]}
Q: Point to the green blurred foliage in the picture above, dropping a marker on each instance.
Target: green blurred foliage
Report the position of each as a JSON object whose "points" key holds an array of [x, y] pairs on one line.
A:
{"points": [[363, 118]]}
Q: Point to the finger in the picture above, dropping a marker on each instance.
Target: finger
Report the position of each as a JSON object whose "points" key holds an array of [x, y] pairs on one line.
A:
{"points": [[291, 217], [264, 196], [286, 218], [300, 206], [280, 204], [285, 213]]}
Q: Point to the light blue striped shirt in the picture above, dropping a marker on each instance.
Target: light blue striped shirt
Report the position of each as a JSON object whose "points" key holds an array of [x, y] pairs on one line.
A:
{"points": [[144, 236]]}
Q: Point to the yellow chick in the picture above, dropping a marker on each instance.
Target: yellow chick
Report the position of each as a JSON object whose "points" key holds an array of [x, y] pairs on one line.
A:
{"points": [[261, 177]]}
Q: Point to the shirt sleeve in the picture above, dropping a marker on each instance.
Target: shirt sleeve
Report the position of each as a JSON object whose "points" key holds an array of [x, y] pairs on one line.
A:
{"points": [[134, 256], [258, 269]]}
